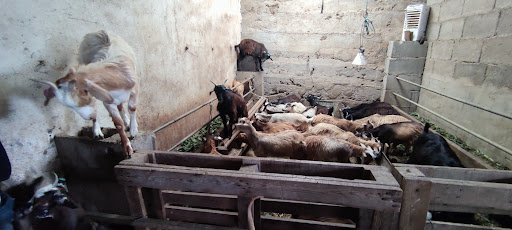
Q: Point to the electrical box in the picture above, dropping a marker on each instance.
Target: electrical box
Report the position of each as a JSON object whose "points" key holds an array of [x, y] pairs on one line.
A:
{"points": [[415, 24]]}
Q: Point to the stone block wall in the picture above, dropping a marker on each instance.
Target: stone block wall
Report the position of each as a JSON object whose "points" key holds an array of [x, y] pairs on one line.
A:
{"points": [[470, 57], [405, 60], [312, 50]]}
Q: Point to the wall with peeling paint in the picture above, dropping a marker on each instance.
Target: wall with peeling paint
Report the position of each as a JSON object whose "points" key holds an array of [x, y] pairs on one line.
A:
{"points": [[313, 49], [180, 46]]}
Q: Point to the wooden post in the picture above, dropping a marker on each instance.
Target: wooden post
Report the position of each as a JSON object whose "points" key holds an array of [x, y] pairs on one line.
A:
{"points": [[415, 198], [136, 203]]}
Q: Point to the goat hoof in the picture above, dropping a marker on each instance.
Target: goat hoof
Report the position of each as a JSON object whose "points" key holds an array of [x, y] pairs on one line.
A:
{"points": [[128, 156]]}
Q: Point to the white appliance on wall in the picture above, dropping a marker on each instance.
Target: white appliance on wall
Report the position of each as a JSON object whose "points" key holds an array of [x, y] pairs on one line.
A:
{"points": [[416, 17]]}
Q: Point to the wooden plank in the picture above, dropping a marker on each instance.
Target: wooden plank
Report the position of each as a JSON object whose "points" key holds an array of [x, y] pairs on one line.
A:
{"points": [[470, 196], [383, 220], [198, 160], [277, 223], [299, 208], [158, 204], [250, 168], [439, 225], [200, 200], [415, 202], [365, 219], [135, 201], [467, 159], [176, 225], [361, 195], [201, 216], [469, 174], [110, 218]]}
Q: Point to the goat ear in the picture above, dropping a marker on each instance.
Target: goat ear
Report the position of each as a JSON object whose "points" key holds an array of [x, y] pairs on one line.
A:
{"points": [[98, 92]]}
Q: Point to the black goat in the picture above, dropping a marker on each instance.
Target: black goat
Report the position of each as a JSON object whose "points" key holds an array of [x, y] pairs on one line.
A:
{"points": [[368, 109], [313, 100], [230, 104], [249, 47], [432, 149], [404, 133]]}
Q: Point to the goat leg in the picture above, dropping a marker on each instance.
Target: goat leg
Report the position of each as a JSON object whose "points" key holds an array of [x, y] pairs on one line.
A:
{"points": [[124, 116], [261, 67], [118, 123], [224, 122], [132, 108]]}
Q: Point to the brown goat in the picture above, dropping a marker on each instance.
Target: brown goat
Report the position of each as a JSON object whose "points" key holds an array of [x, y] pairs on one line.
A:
{"points": [[238, 89], [249, 47], [230, 104], [288, 143], [210, 146], [322, 148], [324, 129], [340, 123]]}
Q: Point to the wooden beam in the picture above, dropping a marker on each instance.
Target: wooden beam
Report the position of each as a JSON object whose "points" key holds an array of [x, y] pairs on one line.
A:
{"points": [[309, 189], [177, 225], [277, 223], [365, 219], [470, 174], [200, 200], [470, 196], [201, 216], [135, 201], [415, 202], [439, 225], [467, 159], [298, 208]]}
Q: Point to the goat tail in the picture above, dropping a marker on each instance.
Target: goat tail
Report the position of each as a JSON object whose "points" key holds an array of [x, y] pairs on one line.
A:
{"points": [[94, 47], [427, 126]]}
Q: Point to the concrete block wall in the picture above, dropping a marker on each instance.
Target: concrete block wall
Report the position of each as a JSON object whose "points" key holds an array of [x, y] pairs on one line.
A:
{"points": [[470, 57], [313, 50], [406, 60]]}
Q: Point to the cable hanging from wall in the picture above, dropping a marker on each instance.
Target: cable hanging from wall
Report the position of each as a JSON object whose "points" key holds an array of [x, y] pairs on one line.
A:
{"points": [[367, 31]]}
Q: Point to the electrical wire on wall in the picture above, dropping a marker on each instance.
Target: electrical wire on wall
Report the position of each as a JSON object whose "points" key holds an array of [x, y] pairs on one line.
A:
{"points": [[367, 31]]}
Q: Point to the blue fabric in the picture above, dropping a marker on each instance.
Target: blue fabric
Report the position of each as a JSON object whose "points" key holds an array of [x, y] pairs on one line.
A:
{"points": [[6, 211]]}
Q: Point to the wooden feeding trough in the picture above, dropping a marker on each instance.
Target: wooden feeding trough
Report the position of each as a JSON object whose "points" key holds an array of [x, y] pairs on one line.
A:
{"points": [[217, 190]]}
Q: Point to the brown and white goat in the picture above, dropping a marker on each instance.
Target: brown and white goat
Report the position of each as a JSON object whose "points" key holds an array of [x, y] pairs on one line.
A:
{"points": [[275, 127], [249, 47], [322, 148], [404, 133], [340, 123], [287, 143], [324, 129], [106, 72]]}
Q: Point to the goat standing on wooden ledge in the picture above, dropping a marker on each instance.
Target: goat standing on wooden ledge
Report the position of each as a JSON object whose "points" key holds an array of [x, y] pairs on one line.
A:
{"points": [[249, 47], [230, 104], [106, 72]]}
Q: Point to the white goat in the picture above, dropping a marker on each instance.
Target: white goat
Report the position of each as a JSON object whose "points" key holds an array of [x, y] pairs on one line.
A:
{"points": [[106, 72], [295, 107], [295, 118]]}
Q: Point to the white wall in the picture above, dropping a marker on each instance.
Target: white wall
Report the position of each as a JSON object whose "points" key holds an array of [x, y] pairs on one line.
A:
{"points": [[180, 46]]}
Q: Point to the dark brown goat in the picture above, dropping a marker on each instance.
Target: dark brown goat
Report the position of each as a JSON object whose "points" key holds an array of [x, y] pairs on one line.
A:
{"points": [[289, 99], [404, 133], [230, 104], [368, 109], [249, 47]]}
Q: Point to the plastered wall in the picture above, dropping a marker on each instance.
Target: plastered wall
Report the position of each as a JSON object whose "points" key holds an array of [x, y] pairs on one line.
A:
{"points": [[470, 57], [180, 46], [313, 50]]}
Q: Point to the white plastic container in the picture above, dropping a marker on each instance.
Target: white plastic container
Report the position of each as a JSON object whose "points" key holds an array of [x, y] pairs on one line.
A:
{"points": [[416, 17]]}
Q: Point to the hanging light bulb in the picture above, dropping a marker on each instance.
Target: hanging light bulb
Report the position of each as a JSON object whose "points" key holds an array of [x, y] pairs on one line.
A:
{"points": [[360, 59]]}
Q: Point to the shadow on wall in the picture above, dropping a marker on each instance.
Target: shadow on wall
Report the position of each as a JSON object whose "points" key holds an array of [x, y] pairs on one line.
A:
{"points": [[249, 64]]}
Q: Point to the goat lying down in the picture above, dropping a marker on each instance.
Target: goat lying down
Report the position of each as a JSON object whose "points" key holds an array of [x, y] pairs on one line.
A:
{"points": [[106, 72], [323, 148]]}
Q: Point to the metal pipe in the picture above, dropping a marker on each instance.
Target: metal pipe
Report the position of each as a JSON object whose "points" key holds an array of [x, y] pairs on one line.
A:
{"points": [[193, 110], [457, 99], [457, 125]]}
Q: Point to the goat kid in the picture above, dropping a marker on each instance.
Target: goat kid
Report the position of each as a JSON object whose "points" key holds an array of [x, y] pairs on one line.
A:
{"points": [[106, 72], [313, 100], [287, 143], [249, 47], [340, 123], [275, 127], [229, 104], [294, 118], [238, 88]]}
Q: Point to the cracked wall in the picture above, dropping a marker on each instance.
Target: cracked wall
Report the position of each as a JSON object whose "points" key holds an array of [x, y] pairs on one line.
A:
{"points": [[180, 46], [313, 49]]}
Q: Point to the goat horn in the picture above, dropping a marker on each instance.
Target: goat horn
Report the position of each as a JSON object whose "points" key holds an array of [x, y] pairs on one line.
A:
{"points": [[51, 84], [213, 83], [224, 82]]}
